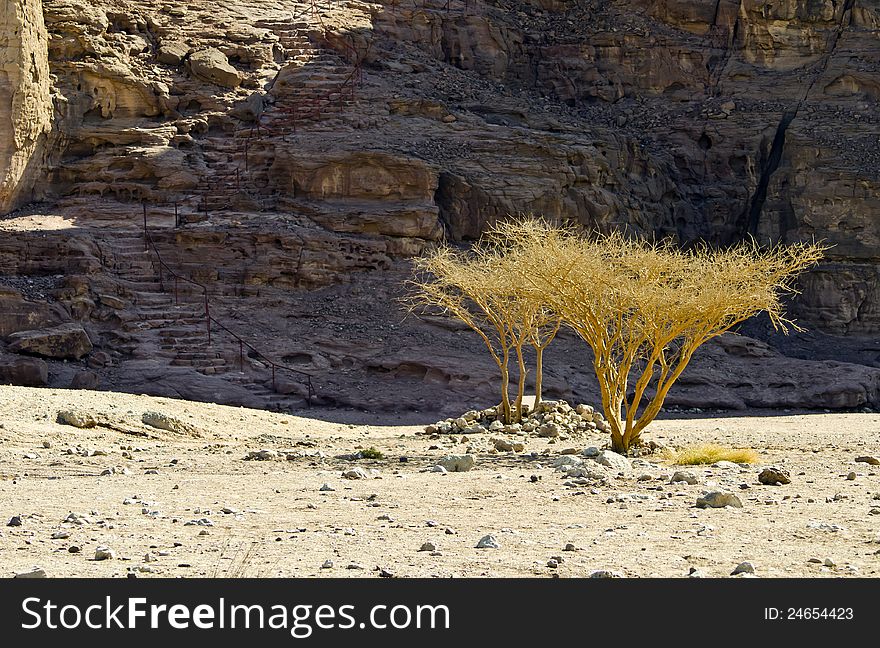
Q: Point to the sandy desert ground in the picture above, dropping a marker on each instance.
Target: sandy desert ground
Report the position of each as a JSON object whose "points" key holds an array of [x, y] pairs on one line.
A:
{"points": [[190, 504]]}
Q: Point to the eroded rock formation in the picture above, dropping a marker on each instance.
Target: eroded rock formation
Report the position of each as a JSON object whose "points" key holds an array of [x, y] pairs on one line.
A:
{"points": [[25, 104], [284, 146]]}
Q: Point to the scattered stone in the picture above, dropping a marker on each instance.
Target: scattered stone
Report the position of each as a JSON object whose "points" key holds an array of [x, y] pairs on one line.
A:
{"points": [[828, 562], [566, 461], [428, 546], [169, 424], [569, 546], [356, 473], [74, 549], [204, 522], [851, 476], [616, 462], [552, 563], [14, 521], [78, 519], [104, 553], [743, 568], [686, 476], [873, 461], [718, 499], [503, 445], [61, 535], [774, 476], [76, 418], [327, 564], [34, 572], [488, 542], [457, 463], [549, 430], [262, 455], [605, 573], [326, 488]]}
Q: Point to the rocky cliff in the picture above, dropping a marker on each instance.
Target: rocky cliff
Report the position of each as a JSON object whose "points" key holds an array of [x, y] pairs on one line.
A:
{"points": [[283, 146], [25, 105]]}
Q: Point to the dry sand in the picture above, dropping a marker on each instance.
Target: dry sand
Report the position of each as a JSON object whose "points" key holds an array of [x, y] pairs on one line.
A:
{"points": [[281, 524]]}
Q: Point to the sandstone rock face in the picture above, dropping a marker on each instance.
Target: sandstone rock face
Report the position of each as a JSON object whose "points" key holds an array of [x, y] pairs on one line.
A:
{"points": [[64, 341], [25, 104], [298, 153]]}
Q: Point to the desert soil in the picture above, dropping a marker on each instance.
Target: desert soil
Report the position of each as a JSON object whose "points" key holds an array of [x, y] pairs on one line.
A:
{"points": [[279, 523]]}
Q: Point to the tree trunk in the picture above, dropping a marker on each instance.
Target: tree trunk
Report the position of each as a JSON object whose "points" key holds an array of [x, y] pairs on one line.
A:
{"points": [[505, 397], [521, 387], [539, 375]]}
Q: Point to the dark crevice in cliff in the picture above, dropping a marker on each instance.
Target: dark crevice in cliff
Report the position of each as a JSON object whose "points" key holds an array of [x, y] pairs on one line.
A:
{"points": [[756, 205], [773, 160]]}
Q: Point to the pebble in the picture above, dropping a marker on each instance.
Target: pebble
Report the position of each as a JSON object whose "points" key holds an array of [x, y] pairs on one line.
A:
{"points": [[743, 568], [552, 563], [458, 463], [326, 488], [773, 476], [76, 518], [104, 553], [207, 522], [327, 564], [605, 573], [686, 476], [851, 476], [61, 535], [569, 546], [35, 572], [718, 499], [261, 455], [74, 549], [14, 521], [488, 542], [873, 461], [428, 546], [356, 473]]}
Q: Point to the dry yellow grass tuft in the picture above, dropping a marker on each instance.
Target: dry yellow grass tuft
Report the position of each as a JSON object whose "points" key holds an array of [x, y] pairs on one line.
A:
{"points": [[709, 453]]}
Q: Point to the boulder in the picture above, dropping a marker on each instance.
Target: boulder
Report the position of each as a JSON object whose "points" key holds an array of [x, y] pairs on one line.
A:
{"points": [[19, 314], [774, 476], [66, 341], [84, 380], [614, 461], [718, 499], [27, 372], [212, 65], [172, 52], [457, 463], [76, 418], [162, 421]]}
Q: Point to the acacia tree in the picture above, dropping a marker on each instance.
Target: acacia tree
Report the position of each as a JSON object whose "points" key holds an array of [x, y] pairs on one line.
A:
{"points": [[484, 289], [508, 241], [644, 308]]}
